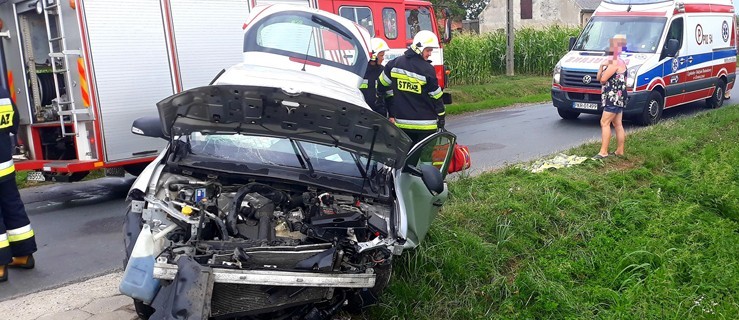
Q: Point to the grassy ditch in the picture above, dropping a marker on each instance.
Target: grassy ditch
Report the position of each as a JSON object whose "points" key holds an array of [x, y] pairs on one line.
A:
{"points": [[654, 235], [499, 91]]}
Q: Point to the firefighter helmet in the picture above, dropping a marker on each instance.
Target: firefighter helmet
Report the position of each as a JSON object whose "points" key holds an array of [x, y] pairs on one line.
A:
{"points": [[378, 45], [424, 39]]}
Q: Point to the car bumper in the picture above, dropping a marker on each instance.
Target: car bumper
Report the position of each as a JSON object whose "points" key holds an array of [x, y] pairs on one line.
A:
{"points": [[566, 100], [165, 271]]}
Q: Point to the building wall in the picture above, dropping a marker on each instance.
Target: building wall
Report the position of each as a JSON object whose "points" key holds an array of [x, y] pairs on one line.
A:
{"points": [[544, 13]]}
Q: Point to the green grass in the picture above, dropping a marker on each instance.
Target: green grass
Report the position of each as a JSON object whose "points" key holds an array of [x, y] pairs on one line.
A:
{"points": [[20, 178], [654, 235], [500, 91]]}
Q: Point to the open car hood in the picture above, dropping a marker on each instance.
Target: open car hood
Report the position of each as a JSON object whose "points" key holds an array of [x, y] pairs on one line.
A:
{"points": [[274, 112]]}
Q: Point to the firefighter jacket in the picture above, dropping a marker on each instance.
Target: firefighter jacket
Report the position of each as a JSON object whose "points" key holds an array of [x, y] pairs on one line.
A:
{"points": [[8, 124], [369, 89], [416, 104]]}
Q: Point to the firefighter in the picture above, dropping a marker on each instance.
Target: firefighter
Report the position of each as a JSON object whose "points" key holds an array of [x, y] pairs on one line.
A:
{"points": [[17, 241], [374, 68], [416, 106]]}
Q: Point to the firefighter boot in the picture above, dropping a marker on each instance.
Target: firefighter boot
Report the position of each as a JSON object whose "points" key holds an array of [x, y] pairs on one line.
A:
{"points": [[26, 262], [3, 273]]}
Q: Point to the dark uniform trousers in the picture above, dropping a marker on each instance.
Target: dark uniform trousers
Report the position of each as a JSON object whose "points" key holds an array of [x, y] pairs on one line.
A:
{"points": [[16, 235]]}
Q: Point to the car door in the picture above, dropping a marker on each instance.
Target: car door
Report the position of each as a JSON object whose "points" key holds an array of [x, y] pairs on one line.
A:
{"points": [[420, 186], [674, 68]]}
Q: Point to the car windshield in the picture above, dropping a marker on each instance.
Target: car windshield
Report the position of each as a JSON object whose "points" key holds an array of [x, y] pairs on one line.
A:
{"points": [[642, 33], [304, 36], [277, 152]]}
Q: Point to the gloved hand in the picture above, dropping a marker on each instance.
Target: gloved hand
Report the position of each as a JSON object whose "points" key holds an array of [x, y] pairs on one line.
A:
{"points": [[441, 122]]}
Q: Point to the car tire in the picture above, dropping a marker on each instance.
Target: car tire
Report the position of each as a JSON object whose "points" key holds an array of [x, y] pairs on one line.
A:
{"points": [[567, 114], [717, 99], [652, 112], [132, 224], [370, 296]]}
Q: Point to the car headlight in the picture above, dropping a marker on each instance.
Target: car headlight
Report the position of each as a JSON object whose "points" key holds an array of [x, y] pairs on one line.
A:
{"points": [[631, 74], [557, 71]]}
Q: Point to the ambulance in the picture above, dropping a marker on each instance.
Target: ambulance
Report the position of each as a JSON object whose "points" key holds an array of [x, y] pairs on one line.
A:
{"points": [[677, 52]]}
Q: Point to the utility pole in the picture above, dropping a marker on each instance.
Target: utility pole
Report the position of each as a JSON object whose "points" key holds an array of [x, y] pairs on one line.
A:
{"points": [[511, 36]]}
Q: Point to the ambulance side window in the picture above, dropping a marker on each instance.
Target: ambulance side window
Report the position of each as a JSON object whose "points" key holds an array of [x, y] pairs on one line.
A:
{"points": [[390, 23], [360, 15], [675, 32]]}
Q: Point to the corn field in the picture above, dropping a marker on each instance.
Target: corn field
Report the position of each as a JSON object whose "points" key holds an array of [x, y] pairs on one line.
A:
{"points": [[475, 58]]}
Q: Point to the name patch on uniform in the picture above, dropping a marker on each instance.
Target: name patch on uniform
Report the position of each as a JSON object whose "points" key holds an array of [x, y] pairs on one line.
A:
{"points": [[409, 86], [6, 116]]}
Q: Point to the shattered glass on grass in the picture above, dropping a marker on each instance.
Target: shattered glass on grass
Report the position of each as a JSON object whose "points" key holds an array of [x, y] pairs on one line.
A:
{"points": [[560, 161]]}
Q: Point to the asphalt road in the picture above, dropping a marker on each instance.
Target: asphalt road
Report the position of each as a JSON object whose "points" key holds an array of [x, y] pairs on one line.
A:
{"points": [[78, 226]]}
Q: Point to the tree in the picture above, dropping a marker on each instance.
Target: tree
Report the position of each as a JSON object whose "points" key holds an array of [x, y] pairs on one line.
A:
{"points": [[462, 9]]}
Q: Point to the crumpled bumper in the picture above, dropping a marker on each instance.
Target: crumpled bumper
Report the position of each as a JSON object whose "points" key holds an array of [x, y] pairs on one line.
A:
{"points": [[165, 271]]}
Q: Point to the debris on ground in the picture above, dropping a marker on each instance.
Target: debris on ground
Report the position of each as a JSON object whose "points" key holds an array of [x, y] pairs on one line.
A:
{"points": [[560, 161]]}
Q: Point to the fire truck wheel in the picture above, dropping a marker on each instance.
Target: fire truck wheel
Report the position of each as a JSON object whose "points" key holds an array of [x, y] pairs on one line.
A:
{"points": [[568, 115], [135, 169], [717, 99], [77, 176], [652, 112]]}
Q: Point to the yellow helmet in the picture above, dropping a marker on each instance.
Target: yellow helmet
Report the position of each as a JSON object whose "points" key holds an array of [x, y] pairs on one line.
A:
{"points": [[424, 39], [378, 45]]}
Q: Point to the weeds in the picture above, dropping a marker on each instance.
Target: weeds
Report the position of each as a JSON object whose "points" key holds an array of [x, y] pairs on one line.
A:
{"points": [[654, 239]]}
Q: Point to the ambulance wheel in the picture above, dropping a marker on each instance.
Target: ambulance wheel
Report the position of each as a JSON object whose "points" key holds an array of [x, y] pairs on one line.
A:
{"points": [[131, 228], [652, 112], [717, 99], [567, 114]]}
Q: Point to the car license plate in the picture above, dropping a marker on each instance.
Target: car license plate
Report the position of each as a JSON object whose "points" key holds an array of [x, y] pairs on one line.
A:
{"points": [[585, 105]]}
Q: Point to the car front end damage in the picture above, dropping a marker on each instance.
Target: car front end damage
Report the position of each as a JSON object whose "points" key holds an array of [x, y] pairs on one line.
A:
{"points": [[227, 250]]}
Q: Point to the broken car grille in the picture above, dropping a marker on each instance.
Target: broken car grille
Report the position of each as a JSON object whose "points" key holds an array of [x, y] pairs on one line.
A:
{"points": [[230, 300]]}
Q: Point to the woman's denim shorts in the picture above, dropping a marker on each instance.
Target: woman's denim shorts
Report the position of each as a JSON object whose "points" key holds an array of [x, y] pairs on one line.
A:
{"points": [[613, 109]]}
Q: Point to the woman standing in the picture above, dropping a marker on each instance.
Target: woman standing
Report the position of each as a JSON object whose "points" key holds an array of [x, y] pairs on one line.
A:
{"points": [[612, 75]]}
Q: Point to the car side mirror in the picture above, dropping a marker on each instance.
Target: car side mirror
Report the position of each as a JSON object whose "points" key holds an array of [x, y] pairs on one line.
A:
{"points": [[672, 48], [447, 26], [432, 178], [572, 43], [149, 126]]}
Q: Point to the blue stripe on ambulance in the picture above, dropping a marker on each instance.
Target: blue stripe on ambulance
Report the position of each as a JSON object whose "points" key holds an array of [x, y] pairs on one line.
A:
{"points": [[659, 70]]}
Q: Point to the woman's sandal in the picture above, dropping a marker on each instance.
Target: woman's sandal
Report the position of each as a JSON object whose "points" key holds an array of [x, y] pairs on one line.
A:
{"points": [[599, 157]]}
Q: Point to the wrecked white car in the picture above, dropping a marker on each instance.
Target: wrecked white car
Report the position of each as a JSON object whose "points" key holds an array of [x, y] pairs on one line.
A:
{"points": [[281, 194]]}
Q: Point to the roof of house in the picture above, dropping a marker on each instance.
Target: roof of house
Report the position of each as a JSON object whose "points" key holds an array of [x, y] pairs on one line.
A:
{"points": [[587, 4]]}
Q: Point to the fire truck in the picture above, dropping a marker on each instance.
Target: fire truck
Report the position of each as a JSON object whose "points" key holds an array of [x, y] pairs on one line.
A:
{"points": [[81, 71], [395, 21]]}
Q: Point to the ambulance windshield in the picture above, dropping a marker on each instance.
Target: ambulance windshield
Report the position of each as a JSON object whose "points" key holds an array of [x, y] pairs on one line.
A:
{"points": [[642, 33]]}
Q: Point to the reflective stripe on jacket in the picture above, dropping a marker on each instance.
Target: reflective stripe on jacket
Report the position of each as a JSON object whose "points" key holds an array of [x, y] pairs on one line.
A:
{"points": [[416, 104]]}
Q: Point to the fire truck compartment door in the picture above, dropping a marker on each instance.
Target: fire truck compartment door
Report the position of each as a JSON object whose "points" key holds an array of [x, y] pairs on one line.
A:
{"points": [[131, 72]]}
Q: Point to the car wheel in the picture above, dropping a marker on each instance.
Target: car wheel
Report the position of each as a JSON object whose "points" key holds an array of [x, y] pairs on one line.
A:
{"points": [[717, 99], [567, 114], [131, 228], [652, 112], [367, 297]]}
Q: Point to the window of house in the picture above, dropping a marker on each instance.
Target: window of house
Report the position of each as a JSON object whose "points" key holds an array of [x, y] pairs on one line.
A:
{"points": [[390, 23], [360, 15], [527, 10]]}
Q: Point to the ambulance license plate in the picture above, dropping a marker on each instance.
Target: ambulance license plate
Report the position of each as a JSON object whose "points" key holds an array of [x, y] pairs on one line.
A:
{"points": [[585, 105]]}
